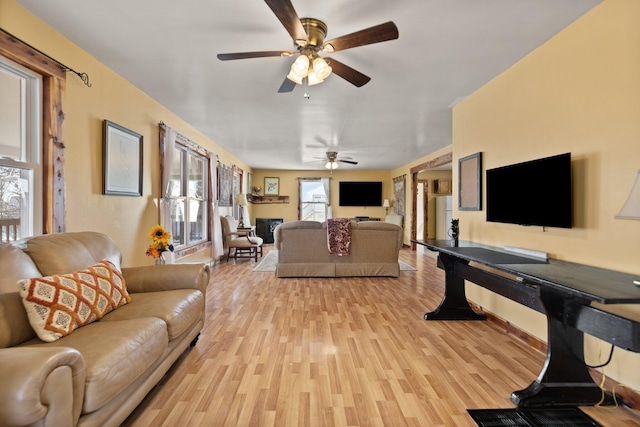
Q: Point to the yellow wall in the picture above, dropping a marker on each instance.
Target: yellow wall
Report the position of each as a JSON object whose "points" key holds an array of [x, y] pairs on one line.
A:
{"points": [[125, 219], [578, 93], [289, 187]]}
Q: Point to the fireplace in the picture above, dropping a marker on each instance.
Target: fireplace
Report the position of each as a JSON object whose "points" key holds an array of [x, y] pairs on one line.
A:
{"points": [[265, 227]]}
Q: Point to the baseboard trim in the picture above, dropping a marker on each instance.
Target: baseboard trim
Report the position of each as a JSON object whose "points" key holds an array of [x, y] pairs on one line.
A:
{"points": [[626, 396]]}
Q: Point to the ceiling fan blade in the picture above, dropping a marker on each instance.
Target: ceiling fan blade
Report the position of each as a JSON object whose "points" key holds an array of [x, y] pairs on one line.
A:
{"points": [[376, 34], [347, 161], [321, 140], [247, 55], [354, 77], [286, 86], [285, 12]]}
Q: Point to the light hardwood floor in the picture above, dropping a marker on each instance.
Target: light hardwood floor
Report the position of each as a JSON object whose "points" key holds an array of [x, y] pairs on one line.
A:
{"points": [[340, 352]]}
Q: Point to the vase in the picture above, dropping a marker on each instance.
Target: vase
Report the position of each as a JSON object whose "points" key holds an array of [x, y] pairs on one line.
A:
{"points": [[160, 260]]}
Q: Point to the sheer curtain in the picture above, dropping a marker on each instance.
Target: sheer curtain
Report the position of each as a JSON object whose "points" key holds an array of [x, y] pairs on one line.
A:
{"points": [[245, 215], [326, 183], [167, 144], [217, 249]]}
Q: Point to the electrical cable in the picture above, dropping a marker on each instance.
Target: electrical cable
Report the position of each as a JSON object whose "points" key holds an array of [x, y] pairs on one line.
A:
{"points": [[605, 363]]}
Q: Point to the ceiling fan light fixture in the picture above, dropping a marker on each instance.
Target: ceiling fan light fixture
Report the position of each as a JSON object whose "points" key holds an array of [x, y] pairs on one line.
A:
{"points": [[301, 66], [313, 79], [331, 165], [321, 68], [294, 77], [328, 47]]}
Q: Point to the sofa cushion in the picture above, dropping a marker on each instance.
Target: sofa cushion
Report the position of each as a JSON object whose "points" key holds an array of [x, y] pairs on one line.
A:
{"points": [[60, 253], [115, 354], [58, 305], [180, 309], [14, 323]]}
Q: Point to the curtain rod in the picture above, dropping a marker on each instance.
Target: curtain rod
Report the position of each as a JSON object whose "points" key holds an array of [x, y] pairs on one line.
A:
{"points": [[83, 76]]}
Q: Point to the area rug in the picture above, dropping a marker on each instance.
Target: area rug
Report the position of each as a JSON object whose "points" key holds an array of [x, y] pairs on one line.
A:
{"points": [[270, 260]]}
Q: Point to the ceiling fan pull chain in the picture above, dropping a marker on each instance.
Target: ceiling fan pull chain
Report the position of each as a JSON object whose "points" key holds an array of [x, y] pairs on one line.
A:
{"points": [[306, 86]]}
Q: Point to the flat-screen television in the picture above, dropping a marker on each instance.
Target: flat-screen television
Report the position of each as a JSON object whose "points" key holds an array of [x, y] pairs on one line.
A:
{"points": [[537, 192], [360, 193]]}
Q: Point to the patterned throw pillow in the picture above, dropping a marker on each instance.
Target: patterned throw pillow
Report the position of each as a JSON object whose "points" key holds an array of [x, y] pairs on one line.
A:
{"points": [[57, 305]]}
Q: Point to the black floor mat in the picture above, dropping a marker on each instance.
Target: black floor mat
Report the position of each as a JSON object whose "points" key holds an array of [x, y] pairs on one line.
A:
{"points": [[547, 417]]}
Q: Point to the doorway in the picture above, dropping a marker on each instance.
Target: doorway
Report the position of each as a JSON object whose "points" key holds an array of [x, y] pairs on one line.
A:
{"points": [[422, 210], [420, 195]]}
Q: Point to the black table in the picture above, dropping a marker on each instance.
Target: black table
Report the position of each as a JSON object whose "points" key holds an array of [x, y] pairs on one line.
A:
{"points": [[563, 291]]}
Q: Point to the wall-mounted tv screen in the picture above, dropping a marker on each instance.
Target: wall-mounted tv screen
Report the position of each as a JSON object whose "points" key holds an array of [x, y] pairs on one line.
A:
{"points": [[537, 192], [360, 193]]}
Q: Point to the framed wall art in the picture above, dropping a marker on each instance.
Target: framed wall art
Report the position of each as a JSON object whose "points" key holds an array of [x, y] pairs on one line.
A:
{"points": [[399, 195], [271, 186], [470, 183], [121, 161], [225, 185]]}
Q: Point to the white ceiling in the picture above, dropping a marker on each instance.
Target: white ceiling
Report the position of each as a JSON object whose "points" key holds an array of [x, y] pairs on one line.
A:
{"points": [[446, 50]]}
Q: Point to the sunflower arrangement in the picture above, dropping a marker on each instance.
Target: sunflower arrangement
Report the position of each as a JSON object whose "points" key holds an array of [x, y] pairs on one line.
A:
{"points": [[160, 242]]}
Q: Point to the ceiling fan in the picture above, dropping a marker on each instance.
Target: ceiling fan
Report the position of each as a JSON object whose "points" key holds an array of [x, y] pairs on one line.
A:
{"points": [[308, 38], [333, 159]]}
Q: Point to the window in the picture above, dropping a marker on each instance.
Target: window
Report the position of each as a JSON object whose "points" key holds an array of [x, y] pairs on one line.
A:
{"points": [[313, 200], [20, 147], [188, 189]]}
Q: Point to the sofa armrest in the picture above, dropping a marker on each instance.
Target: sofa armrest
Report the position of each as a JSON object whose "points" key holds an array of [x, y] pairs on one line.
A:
{"points": [[43, 386], [166, 277]]}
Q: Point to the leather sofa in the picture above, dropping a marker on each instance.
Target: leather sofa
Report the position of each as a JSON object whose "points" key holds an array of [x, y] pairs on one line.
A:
{"points": [[303, 250], [98, 373]]}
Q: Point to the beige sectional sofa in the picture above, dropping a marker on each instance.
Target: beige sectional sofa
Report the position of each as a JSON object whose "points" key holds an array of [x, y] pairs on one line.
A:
{"points": [[303, 250], [98, 373]]}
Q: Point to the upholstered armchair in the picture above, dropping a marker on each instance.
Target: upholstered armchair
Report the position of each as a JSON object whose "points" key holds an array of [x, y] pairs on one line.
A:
{"points": [[394, 219], [239, 243]]}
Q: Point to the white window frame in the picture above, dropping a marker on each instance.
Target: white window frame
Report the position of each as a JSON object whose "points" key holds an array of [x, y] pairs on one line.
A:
{"points": [[29, 161], [188, 201], [310, 203]]}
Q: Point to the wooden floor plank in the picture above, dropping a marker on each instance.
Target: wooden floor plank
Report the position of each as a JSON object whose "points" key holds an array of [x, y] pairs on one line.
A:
{"points": [[340, 352]]}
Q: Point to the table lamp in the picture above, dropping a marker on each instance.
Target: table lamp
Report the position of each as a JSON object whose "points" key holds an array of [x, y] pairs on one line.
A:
{"points": [[241, 201], [386, 205]]}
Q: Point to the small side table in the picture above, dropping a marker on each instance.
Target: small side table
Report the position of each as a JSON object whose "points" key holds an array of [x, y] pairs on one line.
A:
{"points": [[251, 230]]}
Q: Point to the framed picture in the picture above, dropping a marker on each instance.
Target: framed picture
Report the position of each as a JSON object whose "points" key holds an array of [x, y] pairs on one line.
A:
{"points": [[121, 161], [225, 185], [470, 183], [271, 186]]}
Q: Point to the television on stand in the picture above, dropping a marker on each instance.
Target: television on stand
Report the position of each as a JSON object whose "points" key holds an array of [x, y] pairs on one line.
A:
{"points": [[536, 192], [360, 193]]}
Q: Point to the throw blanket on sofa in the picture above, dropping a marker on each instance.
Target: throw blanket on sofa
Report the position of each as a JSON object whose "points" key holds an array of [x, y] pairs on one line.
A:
{"points": [[339, 236]]}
